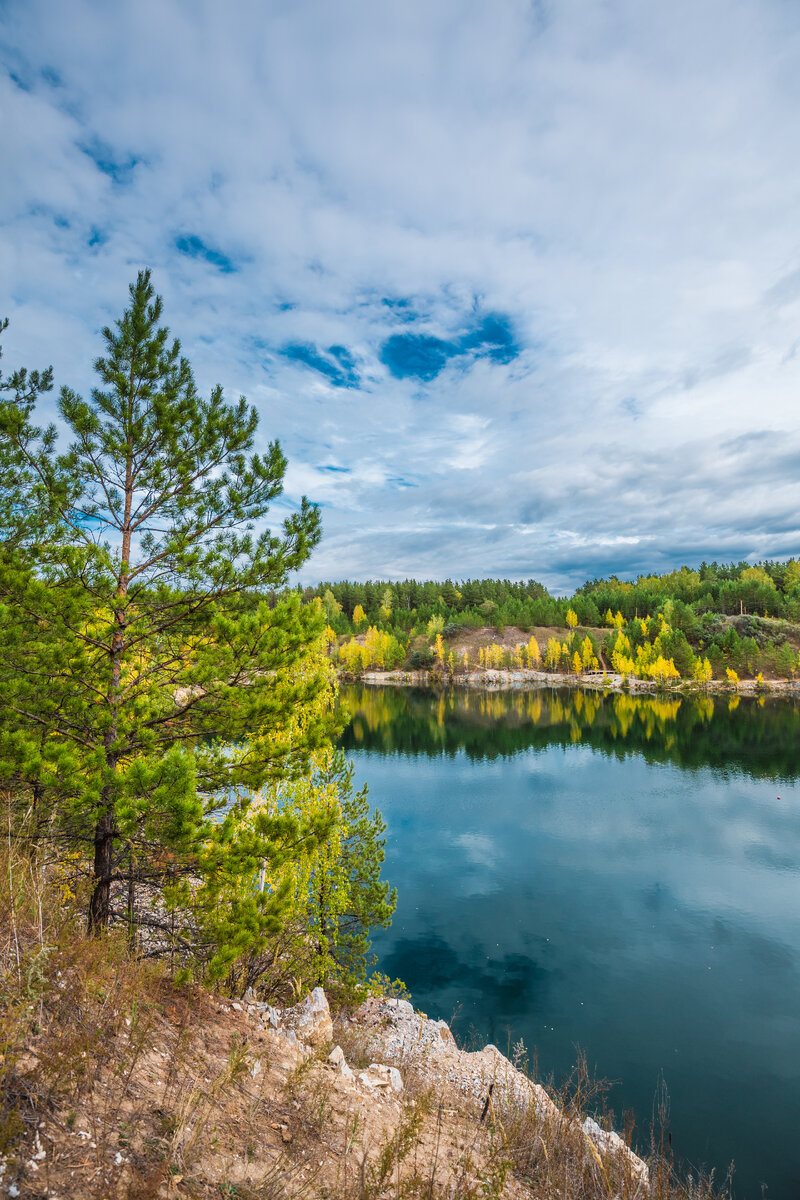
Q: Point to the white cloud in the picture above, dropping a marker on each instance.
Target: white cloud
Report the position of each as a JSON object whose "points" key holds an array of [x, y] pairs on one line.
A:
{"points": [[620, 181]]}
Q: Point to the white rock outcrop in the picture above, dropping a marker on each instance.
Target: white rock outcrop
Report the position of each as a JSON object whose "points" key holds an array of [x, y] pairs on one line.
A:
{"points": [[404, 1035], [311, 1019], [397, 1032]]}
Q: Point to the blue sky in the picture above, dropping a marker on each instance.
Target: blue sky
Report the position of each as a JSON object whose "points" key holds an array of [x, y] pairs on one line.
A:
{"points": [[516, 285]]}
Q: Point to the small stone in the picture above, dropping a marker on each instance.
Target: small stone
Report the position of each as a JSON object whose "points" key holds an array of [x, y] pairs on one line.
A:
{"points": [[385, 1077], [396, 1079], [336, 1057]]}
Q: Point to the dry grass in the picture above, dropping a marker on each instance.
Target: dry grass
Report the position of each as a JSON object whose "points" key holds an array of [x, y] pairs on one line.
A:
{"points": [[114, 1082]]}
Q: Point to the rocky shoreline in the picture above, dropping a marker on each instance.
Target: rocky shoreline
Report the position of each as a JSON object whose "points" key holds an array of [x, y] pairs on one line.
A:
{"points": [[598, 681], [401, 1039]]}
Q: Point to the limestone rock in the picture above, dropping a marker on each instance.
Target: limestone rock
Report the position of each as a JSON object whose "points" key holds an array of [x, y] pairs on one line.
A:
{"points": [[311, 1019], [385, 1077], [398, 1032], [336, 1057], [608, 1142]]}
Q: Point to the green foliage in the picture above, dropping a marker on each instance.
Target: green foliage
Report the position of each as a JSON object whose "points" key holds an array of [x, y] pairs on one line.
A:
{"points": [[23, 513], [141, 677], [421, 658], [380, 650], [331, 606], [748, 598], [329, 885]]}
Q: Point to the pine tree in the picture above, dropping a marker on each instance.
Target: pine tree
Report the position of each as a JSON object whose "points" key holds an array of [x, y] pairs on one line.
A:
{"points": [[20, 498], [25, 517], [141, 676]]}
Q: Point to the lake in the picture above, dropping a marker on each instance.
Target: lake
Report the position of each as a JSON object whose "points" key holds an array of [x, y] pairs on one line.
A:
{"points": [[615, 873]]}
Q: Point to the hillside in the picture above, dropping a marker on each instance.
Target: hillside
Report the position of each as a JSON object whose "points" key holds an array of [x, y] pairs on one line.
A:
{"points": [[116, 1082], [720, 622]]}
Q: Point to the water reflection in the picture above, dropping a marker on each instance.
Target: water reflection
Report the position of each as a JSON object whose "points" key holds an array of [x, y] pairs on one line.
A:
{"points": [[757, 735], [617, 872]]}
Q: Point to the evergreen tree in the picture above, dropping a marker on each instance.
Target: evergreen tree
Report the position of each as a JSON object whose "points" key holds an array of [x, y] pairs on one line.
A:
{"points": [[20, 500], [141, 677]]}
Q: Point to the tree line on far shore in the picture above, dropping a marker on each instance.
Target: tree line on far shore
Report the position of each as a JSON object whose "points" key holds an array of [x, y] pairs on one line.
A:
{"points": [[723, 621]]}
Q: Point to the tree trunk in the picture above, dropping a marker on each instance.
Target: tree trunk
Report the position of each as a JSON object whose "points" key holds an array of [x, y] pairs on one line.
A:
{"points": [[103, 862], [131, 904], [105, 830]]}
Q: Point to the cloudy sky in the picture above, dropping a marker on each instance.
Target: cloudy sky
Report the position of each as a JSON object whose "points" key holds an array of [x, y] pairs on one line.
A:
{"points": [[516, 284]]}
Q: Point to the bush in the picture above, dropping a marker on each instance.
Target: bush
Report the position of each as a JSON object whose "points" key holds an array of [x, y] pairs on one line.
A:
{"points": [[764, 633], [712, 626], [421, 659]]}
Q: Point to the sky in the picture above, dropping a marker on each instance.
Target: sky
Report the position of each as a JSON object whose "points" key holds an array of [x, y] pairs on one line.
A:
{"points": [[515, 284]]}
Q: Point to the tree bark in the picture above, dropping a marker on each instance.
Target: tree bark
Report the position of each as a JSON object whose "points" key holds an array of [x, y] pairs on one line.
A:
{"points": [[103, 862], [105, 830]]}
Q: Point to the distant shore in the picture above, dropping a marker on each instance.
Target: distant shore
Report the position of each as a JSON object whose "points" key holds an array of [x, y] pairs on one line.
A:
{"points": [[490, 679]]}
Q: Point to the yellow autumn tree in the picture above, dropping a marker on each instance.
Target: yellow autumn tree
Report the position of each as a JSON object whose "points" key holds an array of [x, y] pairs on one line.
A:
{"points": [[353, 656], [552, 655], [382, 649], [588, 657], [533, 653], [792, 578], [495, 656], [702, 671]]}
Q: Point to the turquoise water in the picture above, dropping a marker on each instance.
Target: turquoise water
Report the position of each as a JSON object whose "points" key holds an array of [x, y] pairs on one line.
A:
{"points": [[616, 874]]}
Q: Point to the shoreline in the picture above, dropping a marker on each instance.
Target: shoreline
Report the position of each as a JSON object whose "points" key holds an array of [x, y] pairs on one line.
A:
{"points": [[505, 680]]}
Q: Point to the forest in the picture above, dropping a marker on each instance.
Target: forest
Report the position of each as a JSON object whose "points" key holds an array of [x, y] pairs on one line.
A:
{"points": [[717, 621]]}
